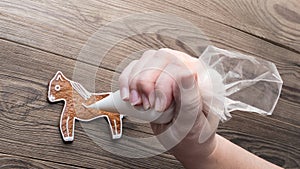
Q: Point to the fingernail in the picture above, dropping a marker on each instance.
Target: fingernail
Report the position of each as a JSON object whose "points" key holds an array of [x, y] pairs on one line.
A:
{"points": [[125, 94], [188, 81], [159, 107], [152, 99], [146, 104], [134, 97]]}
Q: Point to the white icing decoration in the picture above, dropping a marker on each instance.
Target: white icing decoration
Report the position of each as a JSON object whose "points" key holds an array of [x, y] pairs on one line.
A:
{"points": [[57, 87], [59, 77], [81, 90]]}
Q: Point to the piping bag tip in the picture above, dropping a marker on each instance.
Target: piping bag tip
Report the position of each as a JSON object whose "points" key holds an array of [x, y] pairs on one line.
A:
{"points": [[106, 104], [114, 103], [91, 106]]}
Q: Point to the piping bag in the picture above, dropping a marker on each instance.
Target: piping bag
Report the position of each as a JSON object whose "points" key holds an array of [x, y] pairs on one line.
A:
{"points": [[228, 81]]}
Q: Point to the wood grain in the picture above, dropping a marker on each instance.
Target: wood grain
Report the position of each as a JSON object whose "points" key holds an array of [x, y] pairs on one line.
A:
{"points": [[275, 21], [37, 38], [69, 45], [265, 138], [23, 100], [14, 162], [63, 27], [30, 124]]}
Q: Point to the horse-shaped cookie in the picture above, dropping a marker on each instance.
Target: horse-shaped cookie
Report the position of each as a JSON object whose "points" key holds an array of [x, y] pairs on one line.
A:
{"points": [[75, 95]]}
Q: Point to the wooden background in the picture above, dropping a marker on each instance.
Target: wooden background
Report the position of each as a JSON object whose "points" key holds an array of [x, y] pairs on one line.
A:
{"points": [[39, 37]]}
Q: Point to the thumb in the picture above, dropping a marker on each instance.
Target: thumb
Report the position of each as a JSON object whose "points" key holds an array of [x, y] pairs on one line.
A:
{"points": [[191, 111], [187, 108], [187, 94]]}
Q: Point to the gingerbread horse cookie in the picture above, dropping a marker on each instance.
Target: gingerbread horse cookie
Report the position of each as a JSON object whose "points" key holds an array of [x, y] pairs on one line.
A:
{"points": [[75, 96]]}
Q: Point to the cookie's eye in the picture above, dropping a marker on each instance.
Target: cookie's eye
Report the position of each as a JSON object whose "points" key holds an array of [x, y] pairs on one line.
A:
{"points": [[57, 87]]}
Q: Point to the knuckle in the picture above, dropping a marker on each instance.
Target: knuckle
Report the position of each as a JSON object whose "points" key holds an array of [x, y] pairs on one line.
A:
{"points": [[160, 86], [164, 50], [132, 77], [132, 64], [122, 78], [134, 61], [148, 53], [132, 84], [142, 81], [131, 81], [163, 53], [136, 79], [144, 84], [185, 75]]}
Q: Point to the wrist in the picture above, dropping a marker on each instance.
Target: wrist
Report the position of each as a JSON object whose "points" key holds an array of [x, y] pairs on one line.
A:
{"points": [[191, 153]]}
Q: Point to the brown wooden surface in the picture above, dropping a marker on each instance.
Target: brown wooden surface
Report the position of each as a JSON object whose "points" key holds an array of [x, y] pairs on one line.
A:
{"points": [[37, 38]]}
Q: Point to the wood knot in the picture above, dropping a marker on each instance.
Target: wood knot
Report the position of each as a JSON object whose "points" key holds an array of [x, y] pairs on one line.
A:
{"points": [[287, 13], [18, 101]]}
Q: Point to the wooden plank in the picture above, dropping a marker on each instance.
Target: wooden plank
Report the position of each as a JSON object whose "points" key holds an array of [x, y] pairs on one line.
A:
{"points": [[63, 27], [25, 73], [276, 21], [11, 161]]}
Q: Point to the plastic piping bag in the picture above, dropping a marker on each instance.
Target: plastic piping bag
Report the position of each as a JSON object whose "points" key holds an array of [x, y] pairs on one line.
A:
{"points": [[228, 81]]}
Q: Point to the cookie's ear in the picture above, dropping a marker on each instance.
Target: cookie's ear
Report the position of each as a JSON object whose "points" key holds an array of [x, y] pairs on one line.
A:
{"points": [[60, 76]]}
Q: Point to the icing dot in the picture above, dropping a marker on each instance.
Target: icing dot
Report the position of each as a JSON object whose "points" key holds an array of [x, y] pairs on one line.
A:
{"points": [[57, 87]]}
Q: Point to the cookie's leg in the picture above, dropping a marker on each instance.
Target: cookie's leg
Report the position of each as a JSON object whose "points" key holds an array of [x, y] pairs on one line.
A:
{"points": [[64, 127], [71, 126], [67, 127], [116, 126]]}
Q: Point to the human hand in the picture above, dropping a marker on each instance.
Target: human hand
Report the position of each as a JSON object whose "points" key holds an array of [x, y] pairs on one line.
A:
{"points": [[161, 78]]}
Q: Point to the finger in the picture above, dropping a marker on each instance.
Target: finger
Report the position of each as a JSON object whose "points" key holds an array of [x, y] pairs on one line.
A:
{"points": [[135, 96], [146, 103], [187, 91], [191, 106], [188, 101], [144, 80], [186, 120], [166, 83], [146, 56], [163, 88], [123, 81]]}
